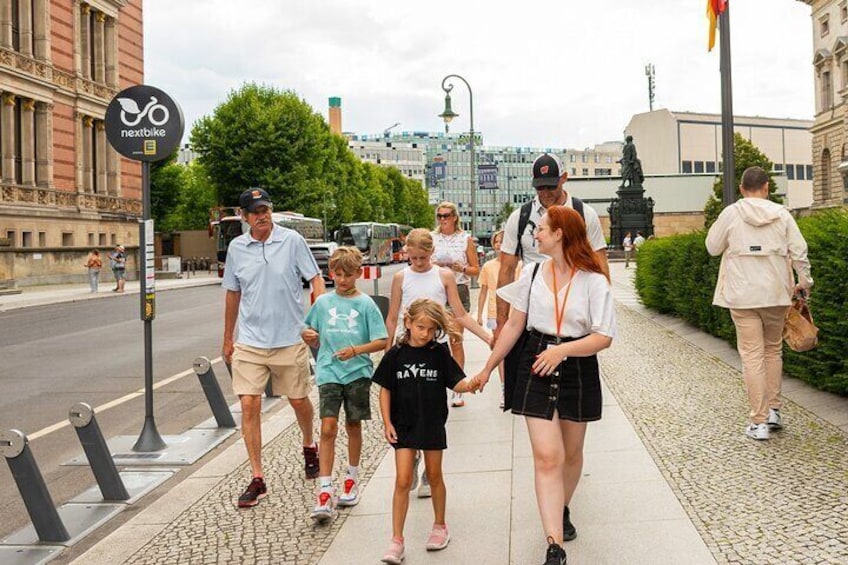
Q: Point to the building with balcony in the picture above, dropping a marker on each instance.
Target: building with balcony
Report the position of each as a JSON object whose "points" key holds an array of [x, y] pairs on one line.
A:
{"points": [[63, 189], [830, 66]]}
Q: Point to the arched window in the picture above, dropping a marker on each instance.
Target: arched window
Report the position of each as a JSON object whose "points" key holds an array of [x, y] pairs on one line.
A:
{"points": [[825, 175]]}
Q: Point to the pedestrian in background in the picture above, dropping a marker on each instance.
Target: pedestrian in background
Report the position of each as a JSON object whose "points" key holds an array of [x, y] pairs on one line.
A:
{"points": [[556, 385], [760, 244], [456, 249], [346, 326], [262, 278], [414, 376], [627, 244], [93, 263], [118, 263], [487, 297], [640, 239]]}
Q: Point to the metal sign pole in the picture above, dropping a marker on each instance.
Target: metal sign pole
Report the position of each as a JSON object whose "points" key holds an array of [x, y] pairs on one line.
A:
{"points": [[144, 124], [149, 440]]}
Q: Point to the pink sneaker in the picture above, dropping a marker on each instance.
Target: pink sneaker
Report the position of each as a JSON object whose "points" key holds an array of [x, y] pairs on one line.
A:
{"points": [[394, 554], [439, 538]]}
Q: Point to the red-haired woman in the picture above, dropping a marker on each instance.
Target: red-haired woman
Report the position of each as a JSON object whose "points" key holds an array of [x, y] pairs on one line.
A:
{"points": [[555, 383]]}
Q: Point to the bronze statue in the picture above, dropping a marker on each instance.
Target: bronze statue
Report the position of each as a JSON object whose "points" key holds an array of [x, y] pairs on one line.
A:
{"points": [[631, 166]]}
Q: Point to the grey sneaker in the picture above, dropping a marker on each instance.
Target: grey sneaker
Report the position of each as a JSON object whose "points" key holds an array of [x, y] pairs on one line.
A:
{"points": [[775, 422], [424, 487], [757, 431]]}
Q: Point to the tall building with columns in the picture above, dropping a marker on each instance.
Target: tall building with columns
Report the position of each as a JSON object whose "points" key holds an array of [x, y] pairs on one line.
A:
{"points": [[63, 189], [830, 68]]}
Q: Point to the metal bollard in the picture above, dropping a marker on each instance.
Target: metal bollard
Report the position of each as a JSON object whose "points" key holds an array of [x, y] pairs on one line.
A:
{"points": [[45, 518], [214, 396], [111, 485]]}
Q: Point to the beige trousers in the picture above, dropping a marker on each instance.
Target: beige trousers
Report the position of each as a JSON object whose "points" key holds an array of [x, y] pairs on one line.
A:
{"points": [[759, 339]]}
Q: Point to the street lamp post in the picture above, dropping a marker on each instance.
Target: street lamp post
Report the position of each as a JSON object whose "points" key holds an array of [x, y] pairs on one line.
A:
{"points": [[447, 115]]}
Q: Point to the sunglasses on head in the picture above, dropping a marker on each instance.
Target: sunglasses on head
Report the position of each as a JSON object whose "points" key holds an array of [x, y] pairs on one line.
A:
{"points": [[554, 187], [444, 216]]}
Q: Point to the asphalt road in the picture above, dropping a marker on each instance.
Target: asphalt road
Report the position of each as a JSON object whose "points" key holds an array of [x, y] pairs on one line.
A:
{"points": [[93, 351]]}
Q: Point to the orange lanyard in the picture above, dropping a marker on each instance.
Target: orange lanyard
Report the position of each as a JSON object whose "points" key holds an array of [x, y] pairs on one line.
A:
{"points": [[559, 313]]}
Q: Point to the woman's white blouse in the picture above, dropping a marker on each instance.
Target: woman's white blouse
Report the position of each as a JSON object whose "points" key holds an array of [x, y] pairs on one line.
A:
{"points": [[590, 307]]}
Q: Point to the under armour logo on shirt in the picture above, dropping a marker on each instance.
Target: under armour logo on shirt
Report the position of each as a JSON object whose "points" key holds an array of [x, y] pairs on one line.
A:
{"points": [[350, 318]]}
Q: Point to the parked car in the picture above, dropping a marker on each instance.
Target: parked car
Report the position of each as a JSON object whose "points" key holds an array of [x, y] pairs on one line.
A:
{"points": [[322, 252]]}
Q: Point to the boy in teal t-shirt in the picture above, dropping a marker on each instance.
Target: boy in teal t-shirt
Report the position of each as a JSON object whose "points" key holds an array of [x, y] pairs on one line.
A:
{"points": [[346, 326]]}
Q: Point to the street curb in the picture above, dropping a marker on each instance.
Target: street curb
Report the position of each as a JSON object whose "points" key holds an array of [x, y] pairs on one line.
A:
{"points": [[88, 296]]}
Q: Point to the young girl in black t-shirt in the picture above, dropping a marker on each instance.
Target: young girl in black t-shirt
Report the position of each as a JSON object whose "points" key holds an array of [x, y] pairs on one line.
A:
{"points": [[414, 376]]}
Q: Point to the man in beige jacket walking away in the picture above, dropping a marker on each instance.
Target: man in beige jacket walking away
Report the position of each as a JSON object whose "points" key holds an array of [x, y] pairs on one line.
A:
{"points": [[760, 244]]}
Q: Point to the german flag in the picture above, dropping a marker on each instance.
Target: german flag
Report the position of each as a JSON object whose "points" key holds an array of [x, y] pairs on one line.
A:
{"points": [[714, 10]]}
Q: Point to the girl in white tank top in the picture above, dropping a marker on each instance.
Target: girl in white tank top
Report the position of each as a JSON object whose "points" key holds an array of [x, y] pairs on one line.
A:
{"points": [[422, 279]]}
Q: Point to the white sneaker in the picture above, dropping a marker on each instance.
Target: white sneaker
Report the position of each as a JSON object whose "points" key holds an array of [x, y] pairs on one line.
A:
{"points": [[775, 422], [323, 511], [350, 492], [757, 431], [456, 400], [424, 487]]}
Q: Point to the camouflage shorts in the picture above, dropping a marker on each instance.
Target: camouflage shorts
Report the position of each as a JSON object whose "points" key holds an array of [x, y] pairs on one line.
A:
{"points": [[356, 397]]}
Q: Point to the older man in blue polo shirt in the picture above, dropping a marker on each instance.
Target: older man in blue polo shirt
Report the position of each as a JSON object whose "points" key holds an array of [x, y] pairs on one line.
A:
{"points": [[262, 277]]}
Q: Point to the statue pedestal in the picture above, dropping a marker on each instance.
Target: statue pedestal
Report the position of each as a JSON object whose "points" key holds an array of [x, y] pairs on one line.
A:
{"points": [[630, 212]]}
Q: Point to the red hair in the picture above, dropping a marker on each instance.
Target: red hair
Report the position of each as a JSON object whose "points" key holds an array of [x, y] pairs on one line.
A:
{"points": [[575, 241]]}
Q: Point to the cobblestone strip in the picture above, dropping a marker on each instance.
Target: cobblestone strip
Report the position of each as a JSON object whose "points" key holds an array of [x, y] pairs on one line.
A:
{"points": [[780, 501], [279, 529]]}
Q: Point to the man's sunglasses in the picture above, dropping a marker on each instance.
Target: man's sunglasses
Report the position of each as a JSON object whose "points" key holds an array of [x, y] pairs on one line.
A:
{"points": [[444, 216], [546, 187]]}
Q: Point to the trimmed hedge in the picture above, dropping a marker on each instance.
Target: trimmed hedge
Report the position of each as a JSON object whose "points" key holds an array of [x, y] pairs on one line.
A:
{"points": [[675, 275]]}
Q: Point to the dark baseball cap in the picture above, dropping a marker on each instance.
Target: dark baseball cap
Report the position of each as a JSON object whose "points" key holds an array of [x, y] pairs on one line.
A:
{"points": [[252, 198], [547, 169]]}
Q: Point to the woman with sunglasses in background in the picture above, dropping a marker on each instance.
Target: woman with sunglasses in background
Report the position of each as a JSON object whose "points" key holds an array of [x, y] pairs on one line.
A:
{"points": [[455, 249]]}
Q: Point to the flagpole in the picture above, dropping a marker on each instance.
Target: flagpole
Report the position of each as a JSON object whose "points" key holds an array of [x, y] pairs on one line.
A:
{"points": [[728, 156]]}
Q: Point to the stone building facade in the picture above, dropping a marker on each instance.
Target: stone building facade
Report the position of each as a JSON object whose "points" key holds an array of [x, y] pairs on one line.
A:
{"points": [[830, 66], [63, 189]]}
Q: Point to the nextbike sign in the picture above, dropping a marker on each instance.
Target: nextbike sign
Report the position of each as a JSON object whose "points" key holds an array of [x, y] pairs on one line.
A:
{"points": [[144, 124]]}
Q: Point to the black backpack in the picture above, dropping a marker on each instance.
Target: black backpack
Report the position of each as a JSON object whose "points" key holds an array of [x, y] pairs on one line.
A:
{"points": [[524, 219]]}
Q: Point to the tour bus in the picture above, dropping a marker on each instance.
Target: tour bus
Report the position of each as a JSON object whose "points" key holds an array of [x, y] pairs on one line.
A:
{"points": [[229, 226], [372, 239], [399, 233]]}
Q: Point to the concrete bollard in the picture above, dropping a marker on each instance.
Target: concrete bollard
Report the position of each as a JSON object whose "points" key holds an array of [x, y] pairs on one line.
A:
{"points": [[45, 518], [213, 393], [81, 416]]}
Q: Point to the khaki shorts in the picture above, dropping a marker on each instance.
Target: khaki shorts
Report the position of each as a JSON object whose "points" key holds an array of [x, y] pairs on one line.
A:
{"points": [[287, 367]]}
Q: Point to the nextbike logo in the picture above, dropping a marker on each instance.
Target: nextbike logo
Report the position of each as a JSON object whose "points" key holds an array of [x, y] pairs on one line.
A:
{"points": [[144, 123], [131, 115]]}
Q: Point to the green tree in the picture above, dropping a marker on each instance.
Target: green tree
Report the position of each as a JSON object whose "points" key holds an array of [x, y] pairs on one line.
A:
{"points": [[746, 155], [262, 136], [503, 215], [166, 181], [195, 199]]}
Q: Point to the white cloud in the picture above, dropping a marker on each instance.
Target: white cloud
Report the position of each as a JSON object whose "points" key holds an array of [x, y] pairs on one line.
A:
{"points": [[544, 73]]}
